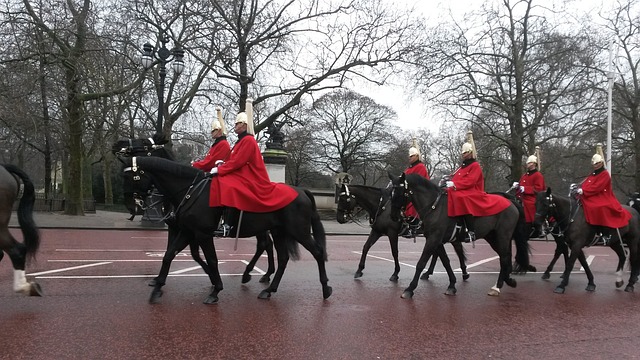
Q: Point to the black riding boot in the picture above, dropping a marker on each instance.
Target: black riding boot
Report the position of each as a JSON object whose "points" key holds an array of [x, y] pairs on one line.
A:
{"points": [[229, 222], [469, 224]]}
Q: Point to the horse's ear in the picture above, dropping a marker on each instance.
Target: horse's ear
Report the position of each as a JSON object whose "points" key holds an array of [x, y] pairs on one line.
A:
{"points": [[391, 177], [548, 191], [159, 139]]}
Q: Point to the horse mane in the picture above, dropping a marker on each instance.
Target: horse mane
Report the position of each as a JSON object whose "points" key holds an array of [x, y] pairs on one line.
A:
{"points": [[417, 180], [169, 166]]}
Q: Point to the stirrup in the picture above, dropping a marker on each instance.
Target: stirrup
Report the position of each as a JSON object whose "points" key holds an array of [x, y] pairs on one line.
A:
{"points": [[223, 231], [471, 236]]}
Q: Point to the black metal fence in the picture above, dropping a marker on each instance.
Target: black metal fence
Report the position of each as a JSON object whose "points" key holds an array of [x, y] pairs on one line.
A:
{"points": [[57, 204]]}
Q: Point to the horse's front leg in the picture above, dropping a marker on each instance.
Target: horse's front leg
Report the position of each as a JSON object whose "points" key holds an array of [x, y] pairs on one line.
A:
{"points": [[561, 249], [209, 250], [176, 242], [431, 269], [462, 258], [576, 251], [372, 239], [431, 243], [264, 244], [393, 241], [442, 254], [591, 285]]}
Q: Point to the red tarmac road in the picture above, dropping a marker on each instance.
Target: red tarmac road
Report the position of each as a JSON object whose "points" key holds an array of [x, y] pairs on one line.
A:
{"points": [[95, 306]]}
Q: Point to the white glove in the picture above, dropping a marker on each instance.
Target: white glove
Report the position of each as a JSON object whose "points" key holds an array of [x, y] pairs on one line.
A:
{"points": [[214, 171], [515, 185], [219, 162], [521, 189], [579, 191], [450, 184]]}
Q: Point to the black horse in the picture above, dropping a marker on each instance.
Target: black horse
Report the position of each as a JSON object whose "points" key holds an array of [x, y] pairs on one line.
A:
{"points": [[431, 202], [375, 201], [569, 214], [188, 189], [178, 240], [10, 177]]}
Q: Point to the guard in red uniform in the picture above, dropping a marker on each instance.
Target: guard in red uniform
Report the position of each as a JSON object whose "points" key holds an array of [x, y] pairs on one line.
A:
{"points": [[242, 182], [465, 190], [530, 183], [220, 149], [601, 207], [416, 166]]}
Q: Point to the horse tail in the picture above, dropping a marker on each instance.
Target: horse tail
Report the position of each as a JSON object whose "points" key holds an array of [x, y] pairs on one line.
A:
{"points": [[319, 234], [28, 226]]}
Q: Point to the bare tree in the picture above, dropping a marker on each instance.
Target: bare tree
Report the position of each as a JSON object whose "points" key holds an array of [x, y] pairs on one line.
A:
{"points": [[351, 130], [519, 79]]}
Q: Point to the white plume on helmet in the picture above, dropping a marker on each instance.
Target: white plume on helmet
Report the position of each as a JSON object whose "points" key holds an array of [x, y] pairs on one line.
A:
{"points": [[219, 123], [470, 145], [598, 156]]}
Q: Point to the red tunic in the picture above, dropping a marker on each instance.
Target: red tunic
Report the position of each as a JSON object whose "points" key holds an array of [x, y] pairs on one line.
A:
{"points": [[415, 168], [243, 182], [218, 151], [468, 195], [601, 207], [533, 182]]}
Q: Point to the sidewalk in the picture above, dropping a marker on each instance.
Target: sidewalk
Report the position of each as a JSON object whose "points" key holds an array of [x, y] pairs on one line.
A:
{"points": [[109, 220]]}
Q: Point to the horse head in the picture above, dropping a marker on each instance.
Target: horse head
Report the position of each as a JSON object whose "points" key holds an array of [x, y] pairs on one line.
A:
{"points": [[346, 205], [399, 197], [544, 206], [136, 186], [634, 201]]}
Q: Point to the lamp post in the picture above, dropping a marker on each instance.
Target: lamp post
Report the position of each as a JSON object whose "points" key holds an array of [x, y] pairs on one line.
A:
{"points": [[153, 214], [163, 56]]}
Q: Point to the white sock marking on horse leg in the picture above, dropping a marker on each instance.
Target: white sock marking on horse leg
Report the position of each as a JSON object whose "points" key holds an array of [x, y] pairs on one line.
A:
{"points": [[619, 276], [20, 283]]}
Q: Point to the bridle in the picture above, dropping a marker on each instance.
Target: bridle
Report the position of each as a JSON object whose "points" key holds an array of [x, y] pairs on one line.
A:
{"points": [[194, 190], [348, 213], [407, 193]]}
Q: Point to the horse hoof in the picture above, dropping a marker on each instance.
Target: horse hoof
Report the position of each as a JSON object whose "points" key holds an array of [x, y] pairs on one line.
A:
{"points": [[153, 282], [546, 276], [211, 300], [326, 292], [494, 292], [264, 294], [629, 289], [265, 279], [465, 277], [451, 291], [394, 278], [619, 284], [532, 268], [591, 287], [425, 276], [358, 274], [511, 282], [35, 289], [246, 277], [407, 294], [559, 290], [155, 297]]}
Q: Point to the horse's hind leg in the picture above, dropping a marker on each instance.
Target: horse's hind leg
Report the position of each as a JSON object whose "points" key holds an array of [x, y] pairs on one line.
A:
{"points": [[457, 246], [616, 245], [18, 254], [431, 269], [634, 262], [283, 259], [264, 244]]}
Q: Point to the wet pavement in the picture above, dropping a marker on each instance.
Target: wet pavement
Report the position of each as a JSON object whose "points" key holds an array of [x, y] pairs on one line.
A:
{"points": [[96, 304]]}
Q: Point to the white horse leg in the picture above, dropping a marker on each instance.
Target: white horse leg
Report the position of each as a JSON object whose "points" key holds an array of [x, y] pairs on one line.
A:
{"points": [[494, 291], [619, 280], [20, 283]]}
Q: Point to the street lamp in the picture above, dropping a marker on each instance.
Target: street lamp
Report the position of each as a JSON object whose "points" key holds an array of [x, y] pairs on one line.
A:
{"points": [[163, 56], [153, 214]]}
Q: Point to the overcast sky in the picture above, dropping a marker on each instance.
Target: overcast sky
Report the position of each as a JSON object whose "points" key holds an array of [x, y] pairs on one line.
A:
{"points": [[412, 113]]}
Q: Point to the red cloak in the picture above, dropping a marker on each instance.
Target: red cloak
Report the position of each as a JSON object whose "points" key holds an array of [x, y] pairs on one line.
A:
{"points": [[420, 169], [242, 181], [468, 195], [533, 182], [220, 150], [601, 207]]}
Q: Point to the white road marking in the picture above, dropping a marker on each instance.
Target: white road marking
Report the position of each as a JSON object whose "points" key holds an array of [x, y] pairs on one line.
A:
{"points": [[71, 268]]}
